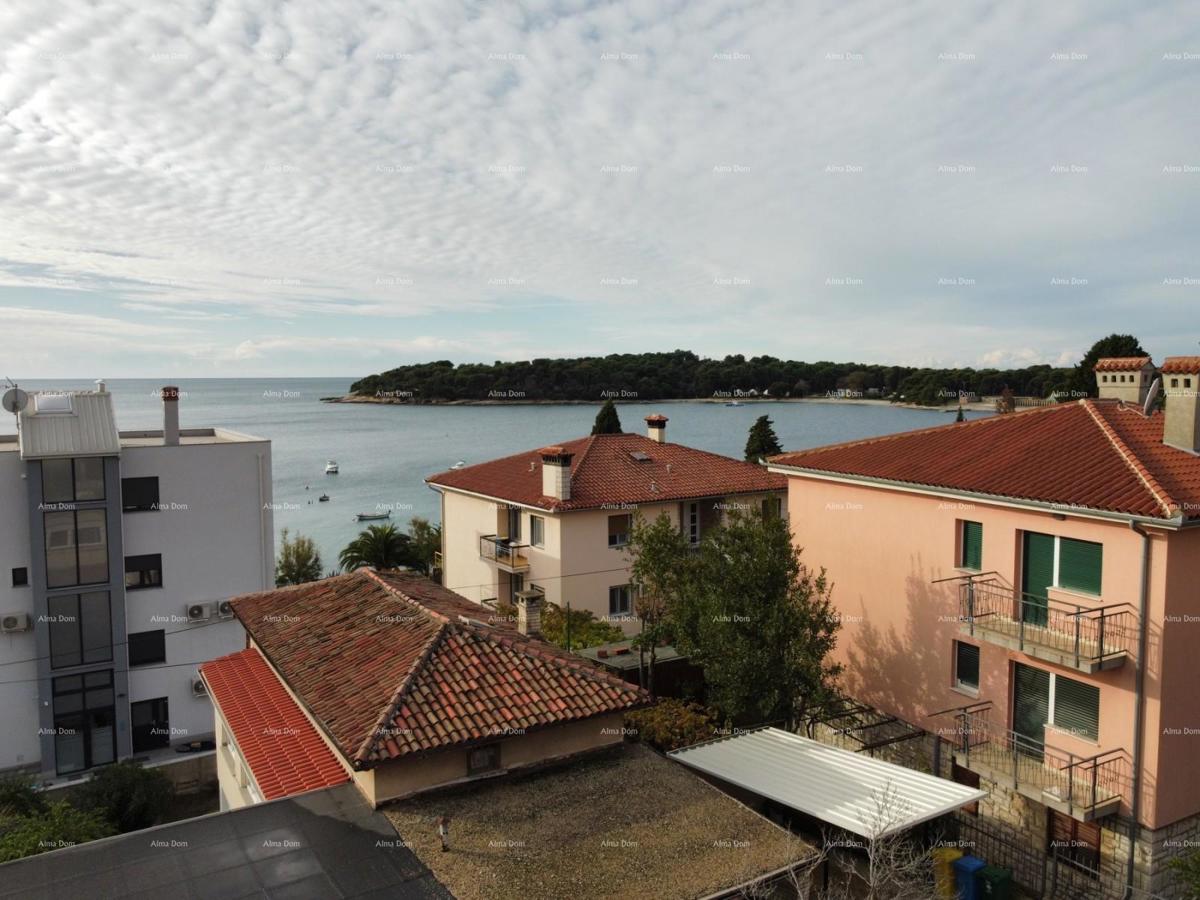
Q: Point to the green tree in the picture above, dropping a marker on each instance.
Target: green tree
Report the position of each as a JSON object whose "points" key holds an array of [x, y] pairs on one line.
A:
{"points": [[670, 724], [379, 546], [1083, 378], [585, 629], [126, 794], [298, 560], [426, 540], [758, 622], [762, 441], [59, 825], [659, 557], [607, 420], [1187, 872]]}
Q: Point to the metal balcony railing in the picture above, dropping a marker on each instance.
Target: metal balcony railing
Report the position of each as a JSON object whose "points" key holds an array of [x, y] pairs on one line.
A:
{"points": [[1084, 787], [503, 552]]}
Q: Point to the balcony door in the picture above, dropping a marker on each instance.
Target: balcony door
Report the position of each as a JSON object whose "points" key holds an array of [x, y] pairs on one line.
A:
{"points": [[1031, 708], [1037, 576]]}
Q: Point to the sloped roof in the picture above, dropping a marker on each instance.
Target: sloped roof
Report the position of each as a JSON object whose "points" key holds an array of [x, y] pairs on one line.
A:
{"points": [[391, 664], [85, 425], [605, 473], [278, 742], [1121, 363], [1181, 365], [1097, 455]]}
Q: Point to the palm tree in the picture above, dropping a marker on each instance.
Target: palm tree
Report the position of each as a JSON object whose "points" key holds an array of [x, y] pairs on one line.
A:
{"points": [[380, 546]]}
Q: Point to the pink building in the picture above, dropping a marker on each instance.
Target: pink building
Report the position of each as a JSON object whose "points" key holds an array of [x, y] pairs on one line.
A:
{"points": [[1027, 588]]}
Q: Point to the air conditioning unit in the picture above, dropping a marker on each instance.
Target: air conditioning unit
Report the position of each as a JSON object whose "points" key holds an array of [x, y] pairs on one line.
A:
{"points": [[11, 623], [225, 610], [199, 612], [199, 688]]}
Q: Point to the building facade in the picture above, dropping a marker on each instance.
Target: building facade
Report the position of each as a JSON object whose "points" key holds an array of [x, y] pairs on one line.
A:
{"points": [[1025, 589], [556, 521], [118, 549]]}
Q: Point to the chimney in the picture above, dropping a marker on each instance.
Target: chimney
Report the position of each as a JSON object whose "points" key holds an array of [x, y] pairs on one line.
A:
{"points": [[1181, 385], [556, 472], [656, 428], [170, 399], [1125, 378], [529, 613], [101, 387]]}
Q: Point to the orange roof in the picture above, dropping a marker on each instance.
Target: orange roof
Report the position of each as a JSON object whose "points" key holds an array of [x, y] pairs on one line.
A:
{"points": [[391, 664], [605, 472], [1095, 454], [1121, 363], [280, 745], [1181, 365]]}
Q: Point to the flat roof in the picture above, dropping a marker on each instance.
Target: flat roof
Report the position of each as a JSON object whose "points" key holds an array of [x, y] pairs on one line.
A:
{"points": [[328, 843], [623, 822], [865, 796], [622, 655], [187, 437]]}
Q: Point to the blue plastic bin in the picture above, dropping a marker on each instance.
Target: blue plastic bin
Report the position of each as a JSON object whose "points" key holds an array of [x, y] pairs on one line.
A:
{"points": [[965, 869]]}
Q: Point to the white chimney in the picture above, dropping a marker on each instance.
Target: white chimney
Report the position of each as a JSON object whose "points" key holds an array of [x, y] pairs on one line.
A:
{"points": [[656, 428], [170, 399], [556, 472], [529, 613], [1125, 378], [101, 387], [1181, 386]]}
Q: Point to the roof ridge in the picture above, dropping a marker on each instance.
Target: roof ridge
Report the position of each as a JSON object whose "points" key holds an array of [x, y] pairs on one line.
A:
{"points": [[373, 574], [1131, 459]]}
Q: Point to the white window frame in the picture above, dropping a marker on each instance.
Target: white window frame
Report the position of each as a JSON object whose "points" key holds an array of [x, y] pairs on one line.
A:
{"points": [[540, 530]]}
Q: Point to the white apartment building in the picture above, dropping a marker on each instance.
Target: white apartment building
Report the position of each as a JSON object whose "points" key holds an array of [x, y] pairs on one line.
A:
{"points": [[116, 552]]}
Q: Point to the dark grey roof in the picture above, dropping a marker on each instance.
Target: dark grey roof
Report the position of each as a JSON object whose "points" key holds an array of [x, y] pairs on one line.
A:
{"points": [[324, 844]]}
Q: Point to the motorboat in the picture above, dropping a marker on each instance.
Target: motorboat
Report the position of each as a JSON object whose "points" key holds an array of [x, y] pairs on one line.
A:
{"points": [[735, 403], [374, 517], [324, 498], [331, 467], [461, 464]]}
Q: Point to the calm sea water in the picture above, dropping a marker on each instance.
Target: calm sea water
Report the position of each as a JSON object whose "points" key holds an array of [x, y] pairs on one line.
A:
{"points": [[385, 452]]}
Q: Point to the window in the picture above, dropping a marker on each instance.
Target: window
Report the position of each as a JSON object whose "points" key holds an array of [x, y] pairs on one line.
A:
{"points": [[143, 571], [139, 494], [20, 576], [966, 666], [76, 547], [150, 724], [970, 779], [514, 524], [693, 523], [772, 507], [972, 546], [483, 759], [619, 600], [1080, 565], [1174, 382], [80, 629], [537, 531], [85, 733], [1075, 707], [1075, 843], [618, 530], [147, 647], [68, 480]]}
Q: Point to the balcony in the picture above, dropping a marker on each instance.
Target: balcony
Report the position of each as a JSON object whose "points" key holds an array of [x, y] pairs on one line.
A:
{"points": [[1087, 639], [1084, 788], [507, 555]]}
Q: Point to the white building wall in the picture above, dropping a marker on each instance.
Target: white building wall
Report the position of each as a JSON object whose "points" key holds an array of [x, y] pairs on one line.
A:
{"points": [[19, 744]]}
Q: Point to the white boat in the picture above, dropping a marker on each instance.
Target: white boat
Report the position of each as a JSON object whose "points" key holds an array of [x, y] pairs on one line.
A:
{"points": [[371, 517], [331, 467], [735, 403], [461, 464]]}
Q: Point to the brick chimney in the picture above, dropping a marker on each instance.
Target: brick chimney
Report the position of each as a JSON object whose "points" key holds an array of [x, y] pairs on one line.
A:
{"points": [[556, 472], [170, 399], [1181, 386], [529, 613], [656, 428], [1125, 378]]}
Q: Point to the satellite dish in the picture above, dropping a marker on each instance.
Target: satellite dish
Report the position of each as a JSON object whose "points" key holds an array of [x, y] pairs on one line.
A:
{"points": [[15, 400], [1151, 396]]}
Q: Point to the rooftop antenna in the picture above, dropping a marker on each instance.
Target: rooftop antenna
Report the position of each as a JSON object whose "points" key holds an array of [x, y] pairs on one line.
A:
{"points": [[1152, 396], [14, 400]]}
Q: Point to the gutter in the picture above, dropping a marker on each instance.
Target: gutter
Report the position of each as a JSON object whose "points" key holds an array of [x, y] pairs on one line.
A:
{"points": [[1139, 728]]}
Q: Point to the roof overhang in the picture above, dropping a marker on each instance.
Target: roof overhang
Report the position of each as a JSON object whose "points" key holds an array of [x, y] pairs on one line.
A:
{"points": [[851, 791]]}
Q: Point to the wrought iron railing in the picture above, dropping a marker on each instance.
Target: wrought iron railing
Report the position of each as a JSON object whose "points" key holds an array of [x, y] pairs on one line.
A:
{"points": [[503, 551]]}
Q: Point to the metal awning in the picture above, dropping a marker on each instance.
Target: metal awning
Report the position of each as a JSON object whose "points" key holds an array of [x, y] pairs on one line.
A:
{"points": [[865, 796]]}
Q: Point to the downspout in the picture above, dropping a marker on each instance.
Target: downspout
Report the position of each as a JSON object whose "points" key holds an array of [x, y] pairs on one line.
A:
{"points": [[1139, 717]]}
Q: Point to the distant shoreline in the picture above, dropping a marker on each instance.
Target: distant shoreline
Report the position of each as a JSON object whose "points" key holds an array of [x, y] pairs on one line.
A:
{"points": [[976, 406]]}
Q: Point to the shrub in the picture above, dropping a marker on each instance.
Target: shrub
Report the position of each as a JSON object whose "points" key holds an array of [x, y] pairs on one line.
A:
{"points": [[58, 825], [127, 795], [670, 724], [18, 797]]}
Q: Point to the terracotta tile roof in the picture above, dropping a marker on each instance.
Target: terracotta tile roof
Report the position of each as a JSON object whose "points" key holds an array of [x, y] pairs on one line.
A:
{"points": [[1121, 363], [604, 473], [280, 745], [387, 665], [1181, 365], [1095, 454]]}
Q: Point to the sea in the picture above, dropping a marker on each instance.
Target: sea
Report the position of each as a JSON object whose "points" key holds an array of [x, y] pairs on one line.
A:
{"points": [[384, 453]]}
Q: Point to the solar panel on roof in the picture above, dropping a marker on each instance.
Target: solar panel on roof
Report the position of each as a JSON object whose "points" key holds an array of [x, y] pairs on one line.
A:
{"points": [[639, 455]]}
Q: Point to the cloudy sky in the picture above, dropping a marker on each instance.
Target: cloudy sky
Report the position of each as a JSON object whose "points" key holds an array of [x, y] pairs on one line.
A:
{"points": [[253, 187]]}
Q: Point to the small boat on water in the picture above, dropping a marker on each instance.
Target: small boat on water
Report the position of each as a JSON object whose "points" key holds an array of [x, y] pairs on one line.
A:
{"points": [[461, 464], [372, 517], [735, 403], [324, 498], [331, 467]]}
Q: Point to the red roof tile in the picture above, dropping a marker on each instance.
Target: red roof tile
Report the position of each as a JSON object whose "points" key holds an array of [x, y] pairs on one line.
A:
{"points": [[604, 473], [1181, 365], [1096, 454], [392, 664], [1121, 363], [280, 745]]}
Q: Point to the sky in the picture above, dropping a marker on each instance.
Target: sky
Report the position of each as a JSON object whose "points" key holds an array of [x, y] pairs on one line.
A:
{"points": [[325, 187]]}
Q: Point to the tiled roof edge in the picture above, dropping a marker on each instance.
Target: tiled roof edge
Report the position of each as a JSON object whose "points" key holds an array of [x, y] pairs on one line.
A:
{"points": [[1157, 491]]}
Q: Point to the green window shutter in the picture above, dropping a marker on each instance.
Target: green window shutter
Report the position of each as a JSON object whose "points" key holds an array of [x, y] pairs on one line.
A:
{"points": [[972, 545], [1031, 707], [966, 664], [1077, 707], [1080, 564]]}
